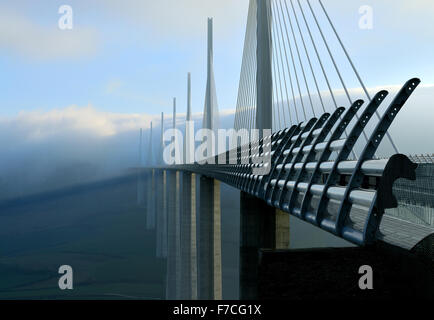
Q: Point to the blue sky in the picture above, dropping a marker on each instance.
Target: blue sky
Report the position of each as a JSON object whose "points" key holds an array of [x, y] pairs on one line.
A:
{"points": [[133, 56], [122, 63]]}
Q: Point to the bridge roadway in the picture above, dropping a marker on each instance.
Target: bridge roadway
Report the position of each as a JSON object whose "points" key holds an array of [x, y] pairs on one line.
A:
{"points": [[344, 197]]}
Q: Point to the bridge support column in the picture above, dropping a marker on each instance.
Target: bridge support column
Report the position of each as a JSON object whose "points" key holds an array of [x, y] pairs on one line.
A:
{"points": [[160, 213], [140, 188], [261, 227], [282, 229], [188, 238], [173, 235], [150, 203], [164, 237], [210, 269]]}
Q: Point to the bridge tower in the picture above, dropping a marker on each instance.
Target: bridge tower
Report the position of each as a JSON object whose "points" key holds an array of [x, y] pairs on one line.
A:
{"points": [[173, 285], [209, 266], [188, 211], [264, 78], [261, 225]]}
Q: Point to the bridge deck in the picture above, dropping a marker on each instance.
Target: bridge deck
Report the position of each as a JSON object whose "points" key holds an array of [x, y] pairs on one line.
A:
{"points": [[402, 233], [306, 171]]}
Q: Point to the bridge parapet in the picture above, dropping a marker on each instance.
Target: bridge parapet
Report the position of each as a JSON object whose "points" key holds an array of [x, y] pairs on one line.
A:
{"points": [[312, 177]]}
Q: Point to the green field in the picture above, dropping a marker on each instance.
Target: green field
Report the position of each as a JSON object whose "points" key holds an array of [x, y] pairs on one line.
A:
{"points": [[99, 232]]}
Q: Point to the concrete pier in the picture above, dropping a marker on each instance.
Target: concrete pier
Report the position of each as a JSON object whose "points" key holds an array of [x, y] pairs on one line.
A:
{"points": [[150, 202], [165, 216], [282, 230], [140, 177], [160, 201], [159, 211], [173, 232], [210, 268], [260, 227], [140, 189], [188, 238]]}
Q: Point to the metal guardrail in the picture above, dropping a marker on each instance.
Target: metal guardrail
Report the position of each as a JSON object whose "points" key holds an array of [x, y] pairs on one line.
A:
{"points": [[345, 197]]}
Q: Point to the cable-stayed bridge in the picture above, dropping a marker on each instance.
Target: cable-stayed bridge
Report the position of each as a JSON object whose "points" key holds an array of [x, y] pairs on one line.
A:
{"points": [[318, 161]]}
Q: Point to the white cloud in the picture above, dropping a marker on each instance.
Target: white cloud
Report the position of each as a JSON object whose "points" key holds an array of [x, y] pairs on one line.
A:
{"points": [[20, 35], [37, 125]]}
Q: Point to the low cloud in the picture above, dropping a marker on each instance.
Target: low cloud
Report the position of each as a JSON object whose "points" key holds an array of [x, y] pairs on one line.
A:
{"points": [[38, 145], [47, 150], [37, 126], [42, 150]]}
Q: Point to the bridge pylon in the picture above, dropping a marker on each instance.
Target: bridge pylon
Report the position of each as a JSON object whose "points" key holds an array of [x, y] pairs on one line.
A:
{"points": [[188, 214], [261, 226], [173, 288], [209, 264]]}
